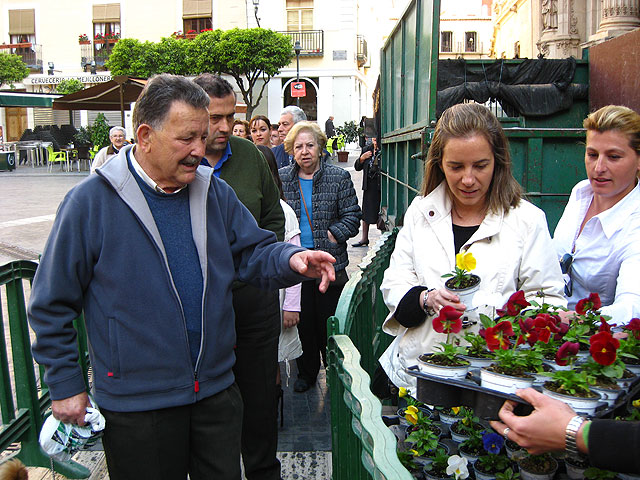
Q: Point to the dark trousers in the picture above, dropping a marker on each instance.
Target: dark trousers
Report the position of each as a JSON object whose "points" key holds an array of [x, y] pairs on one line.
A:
{"points": [[257, 330], [315, 308], [201, 439]]}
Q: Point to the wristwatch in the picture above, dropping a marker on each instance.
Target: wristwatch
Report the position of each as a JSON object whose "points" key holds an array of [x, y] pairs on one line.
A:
{"points": [[570, 435], [427, 309]]}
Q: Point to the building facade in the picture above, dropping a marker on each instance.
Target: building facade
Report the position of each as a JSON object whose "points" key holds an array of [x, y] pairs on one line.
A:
{"points": [[465, 29], [74, 38], [558, 28]]}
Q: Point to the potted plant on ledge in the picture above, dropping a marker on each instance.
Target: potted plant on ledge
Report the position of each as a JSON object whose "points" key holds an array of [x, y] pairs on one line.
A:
{"points": [[84, 39]]}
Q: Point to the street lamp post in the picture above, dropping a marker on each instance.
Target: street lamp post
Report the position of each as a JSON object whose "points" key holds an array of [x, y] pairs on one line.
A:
{"points": [[297, 49], [256, 3]]}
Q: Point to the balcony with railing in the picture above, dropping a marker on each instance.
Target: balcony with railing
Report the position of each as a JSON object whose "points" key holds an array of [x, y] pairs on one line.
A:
{"points": [[362, 54], [311, 41], [31, 54]]}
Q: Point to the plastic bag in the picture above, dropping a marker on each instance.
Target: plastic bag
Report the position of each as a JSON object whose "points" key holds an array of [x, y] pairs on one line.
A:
{"points": [[62, 440]]}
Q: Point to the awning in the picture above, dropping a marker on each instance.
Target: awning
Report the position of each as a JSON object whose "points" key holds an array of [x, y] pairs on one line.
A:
{"points": [[114, 95], [26, 99]]}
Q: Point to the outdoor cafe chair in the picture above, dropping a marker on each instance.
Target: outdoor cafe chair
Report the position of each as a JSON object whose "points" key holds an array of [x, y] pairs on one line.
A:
{"points": [[55, 157]]}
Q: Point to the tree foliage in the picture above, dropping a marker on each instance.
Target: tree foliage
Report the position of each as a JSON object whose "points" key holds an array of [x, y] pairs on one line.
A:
{"points": [[69, 85], [100, 131], [12, 69], [248, 55]]}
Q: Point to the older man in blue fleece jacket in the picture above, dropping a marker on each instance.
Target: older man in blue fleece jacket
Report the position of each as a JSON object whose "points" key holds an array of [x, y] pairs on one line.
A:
{"points": [[149, 248]]}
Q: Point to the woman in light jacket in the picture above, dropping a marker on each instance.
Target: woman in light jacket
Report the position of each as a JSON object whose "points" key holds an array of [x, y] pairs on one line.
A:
{"points": [[469, 202]]}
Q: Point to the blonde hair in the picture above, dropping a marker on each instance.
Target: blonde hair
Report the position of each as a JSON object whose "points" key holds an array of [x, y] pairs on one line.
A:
{"points": [[313, 128], [616, 117], [465, 120]]}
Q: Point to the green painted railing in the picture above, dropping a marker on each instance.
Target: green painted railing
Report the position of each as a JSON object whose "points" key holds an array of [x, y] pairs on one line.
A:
{"points": [[362, 446], [23, 408]]}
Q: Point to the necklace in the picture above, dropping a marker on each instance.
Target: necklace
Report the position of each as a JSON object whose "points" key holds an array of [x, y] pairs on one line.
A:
{"points": [[470, 220]]}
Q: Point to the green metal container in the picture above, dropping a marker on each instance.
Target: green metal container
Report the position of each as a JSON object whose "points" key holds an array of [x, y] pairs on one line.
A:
{"points": [[547, 151]]}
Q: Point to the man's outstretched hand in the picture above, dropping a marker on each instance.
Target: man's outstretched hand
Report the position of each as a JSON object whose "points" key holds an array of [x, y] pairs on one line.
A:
{"points": [[314, 264]]}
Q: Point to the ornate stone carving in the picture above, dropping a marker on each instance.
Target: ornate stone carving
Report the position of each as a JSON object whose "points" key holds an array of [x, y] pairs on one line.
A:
{"points": [[573, 23], [549, 14]]}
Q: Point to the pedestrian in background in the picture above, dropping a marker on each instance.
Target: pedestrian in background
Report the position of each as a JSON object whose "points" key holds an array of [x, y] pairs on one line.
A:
{"points": [[369, 163], [118, 138], [260, 130]]}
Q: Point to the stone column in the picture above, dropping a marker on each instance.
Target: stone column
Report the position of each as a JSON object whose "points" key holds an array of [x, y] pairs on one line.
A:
{"points": [[617, 17]]}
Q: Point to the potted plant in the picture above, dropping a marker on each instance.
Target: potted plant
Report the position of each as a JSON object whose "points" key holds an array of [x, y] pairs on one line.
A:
{"points": [[82, 140], [538, 467], [347, 133], [98, 39], [472, 447], [446, 467], [508, 474], [446, 361], [573, 388], [83, 39], [476, 353], [630, 347], [408, 461], [112, 37], [461, 281], [487, 466], [177, 34], [191, 34], [469, 424], [423, 443], [576, 466]]}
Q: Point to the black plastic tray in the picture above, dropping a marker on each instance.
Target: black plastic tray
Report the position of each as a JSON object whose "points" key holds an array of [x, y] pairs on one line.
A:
{"points": [[445, 392]]}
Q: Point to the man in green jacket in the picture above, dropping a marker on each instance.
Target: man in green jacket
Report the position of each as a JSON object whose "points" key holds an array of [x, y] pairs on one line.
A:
{"points": [[257, 312]]}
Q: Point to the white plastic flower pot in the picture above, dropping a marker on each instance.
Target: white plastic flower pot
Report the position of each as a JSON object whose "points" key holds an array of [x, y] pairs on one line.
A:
{"points": [[526, 475], [586, 406], [466, 294], [633, 368], [608, 395], [443, 371], [625, 383], [477, 362], [503, 383]]}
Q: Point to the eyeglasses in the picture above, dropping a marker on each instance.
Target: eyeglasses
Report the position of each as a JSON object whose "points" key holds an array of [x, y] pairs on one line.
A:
{"points": [[565, 266]]}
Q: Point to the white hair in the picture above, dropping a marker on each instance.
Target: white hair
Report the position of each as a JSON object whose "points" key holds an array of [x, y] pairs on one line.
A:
{"points": [[117, 129], [296, 112]]}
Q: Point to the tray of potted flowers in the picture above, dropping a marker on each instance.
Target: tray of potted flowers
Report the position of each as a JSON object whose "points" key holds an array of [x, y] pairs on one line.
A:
{"points": [[528, 343]]}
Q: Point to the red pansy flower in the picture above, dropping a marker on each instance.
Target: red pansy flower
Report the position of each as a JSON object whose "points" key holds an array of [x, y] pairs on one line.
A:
{"points": [[498, 336], [634, 327], [563, 328], [448, 321], [567, 349], [604, 326], [592, 302], [544, 325], [528, 335], [603, 348], [514, 305]]}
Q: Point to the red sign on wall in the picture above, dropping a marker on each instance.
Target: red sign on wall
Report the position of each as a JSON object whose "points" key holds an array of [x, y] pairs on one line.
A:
{"points": [[298, 89]]}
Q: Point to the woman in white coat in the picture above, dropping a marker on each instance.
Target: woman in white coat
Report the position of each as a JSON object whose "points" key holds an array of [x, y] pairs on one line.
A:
{"points": [[470, 202]]}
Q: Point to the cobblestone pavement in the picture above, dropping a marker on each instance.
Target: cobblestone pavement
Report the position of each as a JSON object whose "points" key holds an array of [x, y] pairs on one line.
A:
{"points": [[29, 200]]}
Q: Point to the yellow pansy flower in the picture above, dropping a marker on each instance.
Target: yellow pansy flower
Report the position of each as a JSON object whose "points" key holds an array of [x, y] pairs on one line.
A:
{"points": [[402, 392], [636, 403], [465, 261], [455, 410], [414, 452]]}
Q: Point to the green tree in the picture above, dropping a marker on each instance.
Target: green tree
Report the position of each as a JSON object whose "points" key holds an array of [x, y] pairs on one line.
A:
{"points": [[69, 85], [132, 57], [250, 55], [247, 55], [12, 69]]}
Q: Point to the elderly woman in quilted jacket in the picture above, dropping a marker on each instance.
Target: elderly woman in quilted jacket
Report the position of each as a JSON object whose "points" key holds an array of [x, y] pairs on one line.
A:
{"points": [[325, 202]]}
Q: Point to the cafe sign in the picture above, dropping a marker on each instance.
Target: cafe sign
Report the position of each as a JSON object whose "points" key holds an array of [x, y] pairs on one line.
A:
{"points": [[56, 79]]}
